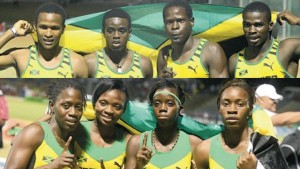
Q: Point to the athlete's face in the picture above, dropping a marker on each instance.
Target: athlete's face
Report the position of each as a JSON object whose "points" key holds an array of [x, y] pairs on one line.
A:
{"points": [[256, 28], [178, 25], [49, 29], [110, 106], [116, 33], [166, 107], [68, 108], [234, 107]]}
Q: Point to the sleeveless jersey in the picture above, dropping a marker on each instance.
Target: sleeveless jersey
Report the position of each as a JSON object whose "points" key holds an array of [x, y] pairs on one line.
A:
{"points": [[218, 158], [269, 66], [179, 157], [35, 69], [193, 67], [104, 71], [48, 151], [113, 157]]}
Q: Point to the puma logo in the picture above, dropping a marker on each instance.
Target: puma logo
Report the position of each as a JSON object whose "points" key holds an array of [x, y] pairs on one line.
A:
{"points": [[193, 69], [270, 66], [64, 75], [117, 164]]}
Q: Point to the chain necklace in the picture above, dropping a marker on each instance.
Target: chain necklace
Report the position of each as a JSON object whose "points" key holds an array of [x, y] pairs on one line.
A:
{"points": [[153, 141]]}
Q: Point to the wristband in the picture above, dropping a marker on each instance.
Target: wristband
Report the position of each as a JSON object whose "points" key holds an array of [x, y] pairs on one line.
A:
{"points": [[14, 31]]}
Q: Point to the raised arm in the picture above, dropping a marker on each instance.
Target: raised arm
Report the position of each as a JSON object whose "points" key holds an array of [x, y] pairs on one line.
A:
{"points": [[162, 69], [20, 28], [215, 60]]}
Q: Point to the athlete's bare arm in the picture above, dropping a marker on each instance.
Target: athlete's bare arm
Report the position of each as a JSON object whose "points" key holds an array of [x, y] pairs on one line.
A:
{"points": [[21, 28], [201, 155], [215, 60], [147, 67], [25, 143], [79, 65], [232, 64], [91, 61]]}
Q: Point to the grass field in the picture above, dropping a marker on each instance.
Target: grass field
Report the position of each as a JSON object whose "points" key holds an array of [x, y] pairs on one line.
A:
{"points": [[24, 109]]}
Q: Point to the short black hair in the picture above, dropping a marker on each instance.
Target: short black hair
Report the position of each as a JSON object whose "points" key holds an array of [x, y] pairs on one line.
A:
{"points": [[116, 12], [108, 85], [241, 84], [57, 86], [179, 3], [51, 7], [258, 7], [164, 83]]}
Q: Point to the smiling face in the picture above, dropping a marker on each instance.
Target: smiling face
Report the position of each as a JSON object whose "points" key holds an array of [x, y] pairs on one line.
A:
{"points": [[110, 106], [116, 33], [177, 24], [256, 28], [68, 108], [49, 29], [166, 107], [234, 107]]}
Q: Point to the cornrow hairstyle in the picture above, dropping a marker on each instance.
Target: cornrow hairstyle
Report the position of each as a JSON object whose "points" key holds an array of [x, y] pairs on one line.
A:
{"points": [[241, 84], [118, 13], [179, 3], [164, 83], [51, 7], [56, 87], [258, 7], [108, 85]]}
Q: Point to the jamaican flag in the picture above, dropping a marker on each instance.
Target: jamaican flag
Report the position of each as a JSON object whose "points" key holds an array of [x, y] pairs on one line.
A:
{"points": [[222, 24]]}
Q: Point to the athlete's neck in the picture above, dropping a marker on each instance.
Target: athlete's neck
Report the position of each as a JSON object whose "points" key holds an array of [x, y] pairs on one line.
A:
{"points": [[116, 56], [165, 135], [108, 133], [234, 137], [49, 54], [253, 52], [179, 50]]}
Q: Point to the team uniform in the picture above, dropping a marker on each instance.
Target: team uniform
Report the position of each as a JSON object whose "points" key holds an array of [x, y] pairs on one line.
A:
{"points": [[218, 158], [193, 67], [104, 71], [179, 157], [48, 151], [89, 154], [268, 66], [35, 69]]}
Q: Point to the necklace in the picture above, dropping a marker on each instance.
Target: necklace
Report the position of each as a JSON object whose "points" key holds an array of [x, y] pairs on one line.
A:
{"points": [[119, 66], [153, 140]]}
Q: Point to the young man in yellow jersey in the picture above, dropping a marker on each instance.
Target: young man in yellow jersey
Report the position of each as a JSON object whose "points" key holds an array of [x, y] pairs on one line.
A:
{"points": [[116, 60], [45, 59], [265, 57], [187, 56]]}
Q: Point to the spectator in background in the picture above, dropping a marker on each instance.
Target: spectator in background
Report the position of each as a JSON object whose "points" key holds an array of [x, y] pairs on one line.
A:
{"points": [[268, 98], [3, 114]]}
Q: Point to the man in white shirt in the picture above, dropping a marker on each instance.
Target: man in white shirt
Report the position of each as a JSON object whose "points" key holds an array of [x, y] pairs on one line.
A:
{"points": [[268, 98]]}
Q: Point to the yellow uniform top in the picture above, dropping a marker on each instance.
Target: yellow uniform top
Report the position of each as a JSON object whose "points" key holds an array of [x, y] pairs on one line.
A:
{"points": [[268, 66], [104, 71], [35, 69], [193, 67]]}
